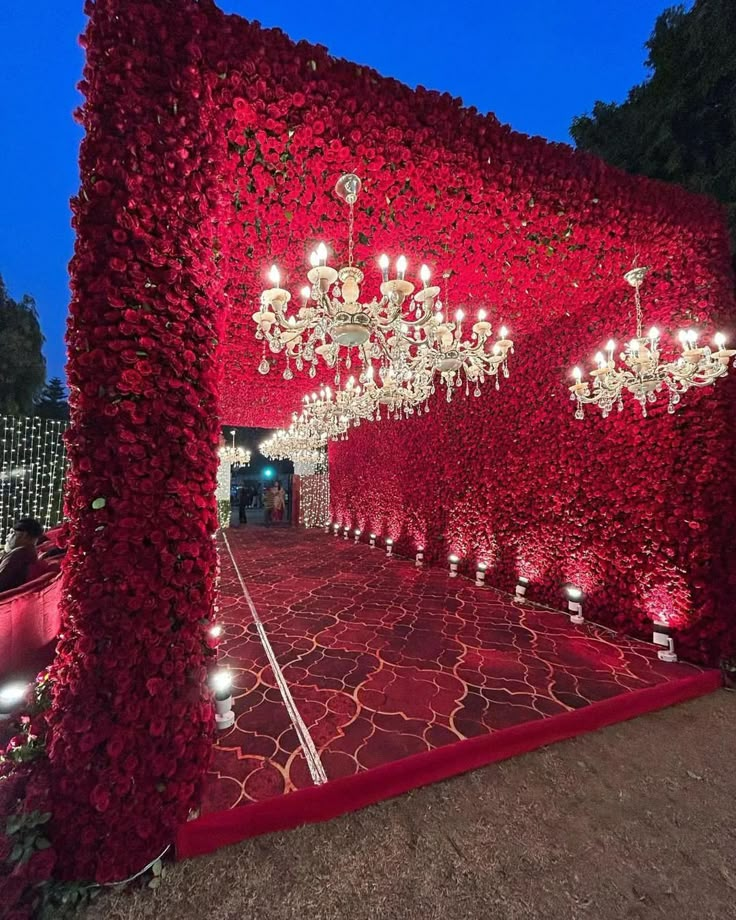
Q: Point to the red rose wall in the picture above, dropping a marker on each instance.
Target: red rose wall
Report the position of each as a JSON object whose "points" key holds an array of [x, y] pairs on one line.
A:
{"points": [[212, 149]]}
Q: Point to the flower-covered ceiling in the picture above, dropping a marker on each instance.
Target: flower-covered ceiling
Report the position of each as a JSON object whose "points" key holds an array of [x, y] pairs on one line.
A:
{"points": [[531, 231]]}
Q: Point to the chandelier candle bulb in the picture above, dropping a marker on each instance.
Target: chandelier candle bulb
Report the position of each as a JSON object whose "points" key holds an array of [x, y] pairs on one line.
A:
{"points": [[424, 275], [389, 546], [383, 264], [482, 328], [480, 574], [401, 268], [575, 604], [322, 254], [453, 560], [521, 585]]}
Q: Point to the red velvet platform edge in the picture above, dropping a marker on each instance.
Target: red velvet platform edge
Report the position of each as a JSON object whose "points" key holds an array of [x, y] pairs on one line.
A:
{"points": [[341, 796]]}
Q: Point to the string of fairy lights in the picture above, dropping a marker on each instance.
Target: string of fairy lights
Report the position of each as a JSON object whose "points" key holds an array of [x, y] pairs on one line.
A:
{"points": [[314, 498], [32, 470]]}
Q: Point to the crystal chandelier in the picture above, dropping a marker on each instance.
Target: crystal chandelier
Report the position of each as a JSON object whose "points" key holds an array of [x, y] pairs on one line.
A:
{"points": [[461, 360], [333, 317], [332, 414], [302, 441], [235, 456], [643, 375]]}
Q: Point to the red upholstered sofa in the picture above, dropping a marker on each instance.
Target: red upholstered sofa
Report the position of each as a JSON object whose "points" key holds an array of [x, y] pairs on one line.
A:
{"points": [[29, 623]]}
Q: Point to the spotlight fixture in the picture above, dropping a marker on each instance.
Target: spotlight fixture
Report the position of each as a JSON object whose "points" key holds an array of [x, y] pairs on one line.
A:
{"points": [[372, 538], [335, 529], [521, 585], [575, 604], [357, 534], [663, 637], [346, 532], [327, 526], [453, 560], [419, 558], [480, 574], [222, 684], [11, 696], [389, 546]]}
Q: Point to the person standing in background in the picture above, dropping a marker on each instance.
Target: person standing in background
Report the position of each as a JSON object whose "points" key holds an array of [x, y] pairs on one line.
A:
{"points": [[279, 503], [242, 505], [19, 554], [268, 504]]}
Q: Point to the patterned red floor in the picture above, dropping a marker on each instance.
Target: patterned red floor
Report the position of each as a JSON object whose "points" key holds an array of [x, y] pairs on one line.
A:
{"points": [[383, 661]]}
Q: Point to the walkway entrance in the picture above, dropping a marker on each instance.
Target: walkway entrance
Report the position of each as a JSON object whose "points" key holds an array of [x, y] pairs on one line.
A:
{"points": [[359, 677]]}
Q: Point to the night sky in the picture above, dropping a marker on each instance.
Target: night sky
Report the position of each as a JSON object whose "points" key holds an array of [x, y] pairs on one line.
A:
{"points": [[535, 64]]}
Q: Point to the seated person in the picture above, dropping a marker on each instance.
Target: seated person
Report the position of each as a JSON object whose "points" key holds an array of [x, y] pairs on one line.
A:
{"points": [[19, 554]]}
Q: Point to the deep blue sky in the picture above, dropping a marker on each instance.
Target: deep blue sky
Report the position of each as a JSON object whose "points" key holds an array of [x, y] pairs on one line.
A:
{"points": [[535, 63]]}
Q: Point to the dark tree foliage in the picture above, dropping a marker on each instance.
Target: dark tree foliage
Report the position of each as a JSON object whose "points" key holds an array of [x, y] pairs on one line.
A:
{"points": [[22, 365], [680, 124], [52, 401]]}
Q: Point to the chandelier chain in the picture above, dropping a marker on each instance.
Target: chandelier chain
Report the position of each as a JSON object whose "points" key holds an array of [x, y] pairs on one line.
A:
{"points": [[351, 224], [639, 316]]}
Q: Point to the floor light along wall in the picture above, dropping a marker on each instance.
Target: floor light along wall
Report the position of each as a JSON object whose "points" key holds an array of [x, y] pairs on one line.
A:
{"points": [[389, 546], [453, 560], [222, 683], [419, 558], [214, 634], [357, 533], [346, 532], [521, 585], [11, 696], [480, 574], [372, 539], [575, 604], [663, 637]]}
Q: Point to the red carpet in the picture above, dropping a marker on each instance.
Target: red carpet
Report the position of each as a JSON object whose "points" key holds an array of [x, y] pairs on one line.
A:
{"points": [[392, 677]]}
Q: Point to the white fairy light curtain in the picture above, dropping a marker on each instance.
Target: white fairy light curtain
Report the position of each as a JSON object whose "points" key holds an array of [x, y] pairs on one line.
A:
{"points": [[314, 499], [32, 471]]}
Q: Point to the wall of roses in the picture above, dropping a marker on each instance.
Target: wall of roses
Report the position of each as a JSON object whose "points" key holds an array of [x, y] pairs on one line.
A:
{"points": [[211, 150], [637, 511], [131, 723]]}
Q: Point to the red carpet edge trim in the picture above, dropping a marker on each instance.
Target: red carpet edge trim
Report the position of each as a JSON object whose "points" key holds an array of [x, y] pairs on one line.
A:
{"points": [[347, 794]]}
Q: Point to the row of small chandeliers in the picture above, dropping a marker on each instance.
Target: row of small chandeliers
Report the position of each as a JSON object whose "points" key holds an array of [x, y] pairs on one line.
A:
{"points": [[406, 345]]}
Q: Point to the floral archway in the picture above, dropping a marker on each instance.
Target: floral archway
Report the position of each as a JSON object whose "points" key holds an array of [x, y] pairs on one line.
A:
{"points": [[211, 150]]}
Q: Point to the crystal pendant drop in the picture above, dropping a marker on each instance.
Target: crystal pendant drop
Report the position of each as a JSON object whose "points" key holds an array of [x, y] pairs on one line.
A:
{"points": [[264, 367], [288, 374], [312, 371]]}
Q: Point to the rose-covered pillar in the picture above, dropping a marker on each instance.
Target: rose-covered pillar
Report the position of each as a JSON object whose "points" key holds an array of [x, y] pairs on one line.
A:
{"points": [[131, 722]]}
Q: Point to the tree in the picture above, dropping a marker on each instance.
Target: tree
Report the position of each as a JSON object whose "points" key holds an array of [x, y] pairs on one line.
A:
{"points": [[52, 401], [680, 124], [22, 365]]}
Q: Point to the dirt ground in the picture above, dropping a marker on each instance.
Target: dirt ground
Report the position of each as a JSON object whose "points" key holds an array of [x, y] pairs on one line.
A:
{"points": [[634, 822]]}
